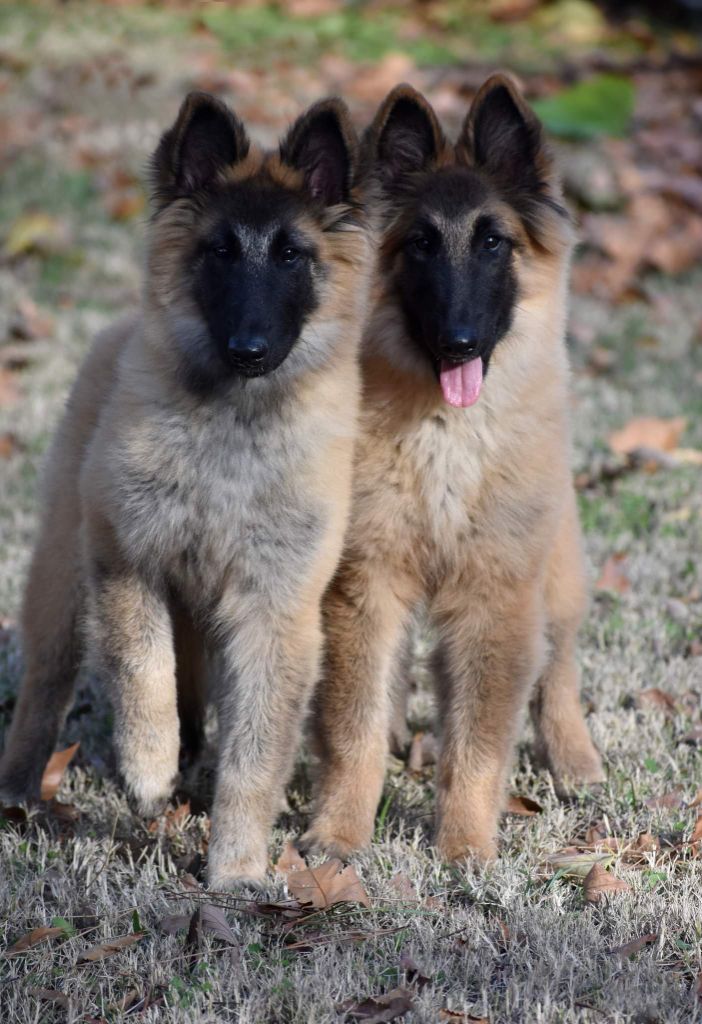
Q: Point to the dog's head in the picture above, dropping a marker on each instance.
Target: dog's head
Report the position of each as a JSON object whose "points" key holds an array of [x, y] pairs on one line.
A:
{"points": [[467, 228], [253, 256]]}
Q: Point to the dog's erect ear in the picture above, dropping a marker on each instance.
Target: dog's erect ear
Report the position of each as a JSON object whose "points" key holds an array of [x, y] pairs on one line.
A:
{"points": [[323, 145], [405, 136], [206, 137], [505, 137]]}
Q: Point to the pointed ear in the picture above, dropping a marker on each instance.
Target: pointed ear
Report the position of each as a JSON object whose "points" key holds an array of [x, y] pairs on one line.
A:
{"points": [[323, 145], [206, 137], [505, 137], [405, 136]]}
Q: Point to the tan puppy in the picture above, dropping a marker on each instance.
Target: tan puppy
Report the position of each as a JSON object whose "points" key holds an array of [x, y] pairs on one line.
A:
{"points": [[463, 496], [198, 487]]}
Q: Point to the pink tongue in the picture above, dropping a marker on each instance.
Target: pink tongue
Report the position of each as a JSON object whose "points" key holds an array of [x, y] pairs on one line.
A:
{"points": [[461, 384]]}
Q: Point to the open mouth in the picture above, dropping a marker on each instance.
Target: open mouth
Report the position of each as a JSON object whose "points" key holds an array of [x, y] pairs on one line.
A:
{"points": [[461, 382]]}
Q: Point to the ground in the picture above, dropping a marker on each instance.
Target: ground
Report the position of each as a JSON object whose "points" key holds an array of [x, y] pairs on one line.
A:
{"points": [[84, 92]]}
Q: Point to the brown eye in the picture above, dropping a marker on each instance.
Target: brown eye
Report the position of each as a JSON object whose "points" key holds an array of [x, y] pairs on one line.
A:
{"points": [[222, 252], [492, 243], [421, 244], [290, 254]]}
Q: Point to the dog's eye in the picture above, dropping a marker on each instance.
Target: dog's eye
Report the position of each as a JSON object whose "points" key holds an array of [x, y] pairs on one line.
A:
{"points": [[290, 254], [421, 244], [222, 252], [492, 243]]}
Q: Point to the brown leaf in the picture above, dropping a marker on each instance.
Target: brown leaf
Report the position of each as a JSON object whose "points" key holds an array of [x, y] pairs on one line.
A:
{"points": [[511, 10], [696, 836], [290, 860], [461, 1018], [404, 887], [414, 974], [327, 884], [53, 773], [656, 698], [9, 388], [613, 576], [65, 813], [34, 937], [523, 806], [696, 800], [385, 1007], [174, 923], [646, 843], [673, 798], [211, 919], [50, 995], [171, 821], [123, 205], [635, 946], [693, 737], [189, 882], [598, 882], [9, 444], [648, 432], [28, 322], [110, 947]]}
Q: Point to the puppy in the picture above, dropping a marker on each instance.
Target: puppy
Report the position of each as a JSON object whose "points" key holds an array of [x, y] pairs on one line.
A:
{"points": [[198, 487], [463, 498]]}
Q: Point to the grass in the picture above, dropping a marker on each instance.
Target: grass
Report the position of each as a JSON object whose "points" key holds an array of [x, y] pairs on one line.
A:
{"points": [[516, 942]]}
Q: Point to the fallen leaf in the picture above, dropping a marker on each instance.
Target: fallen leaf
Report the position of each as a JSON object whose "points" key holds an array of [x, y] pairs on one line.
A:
{"points": [[290, 860], [174, 923], [696, 836], [171, 821], [461, 1018], [211, 919], [189, 882], [110, 947], [635, 946], [693, 737], [511, 10], [9, 444], [613, 577], [9, 388], [50, 995], [36, 232], [673, 798], [34, 937], [598, 882], [648, 432], [377, 1009], [326, 885], [646, 843], [656, 698], [28, 322], [404, 887], [601, 105], [577, 863], [414, 974], [53, 773], [523, 806]]}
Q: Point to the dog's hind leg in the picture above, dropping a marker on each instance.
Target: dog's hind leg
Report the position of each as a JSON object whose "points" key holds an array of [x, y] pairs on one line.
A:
{"points": [[562, 736], [52, 654]]}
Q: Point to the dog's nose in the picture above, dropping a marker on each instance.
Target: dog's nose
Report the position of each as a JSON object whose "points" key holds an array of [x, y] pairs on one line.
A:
{"points": [[248, 349], [460, 343]]}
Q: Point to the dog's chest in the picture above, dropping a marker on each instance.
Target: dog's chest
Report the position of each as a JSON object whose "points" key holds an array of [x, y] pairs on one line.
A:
{"points": [[207, 499]]}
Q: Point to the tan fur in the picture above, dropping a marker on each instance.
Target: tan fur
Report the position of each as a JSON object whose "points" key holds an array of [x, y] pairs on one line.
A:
{"points": [[472, 511], [221, 519]]}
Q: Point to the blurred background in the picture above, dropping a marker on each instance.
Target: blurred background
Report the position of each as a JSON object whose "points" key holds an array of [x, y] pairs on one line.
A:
{"points": [[87, 87]]}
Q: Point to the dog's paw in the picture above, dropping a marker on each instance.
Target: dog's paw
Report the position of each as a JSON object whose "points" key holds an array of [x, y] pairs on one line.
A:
{"points": [[235, 875], [328, 844]]}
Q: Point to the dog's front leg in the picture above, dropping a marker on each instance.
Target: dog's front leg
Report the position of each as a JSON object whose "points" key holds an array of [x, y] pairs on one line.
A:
{"points": [[271, 664], [492, 652], [132, 635]]}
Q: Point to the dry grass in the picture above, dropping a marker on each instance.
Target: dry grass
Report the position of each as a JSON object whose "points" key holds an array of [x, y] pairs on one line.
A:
{"points": [[514, 942]]}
